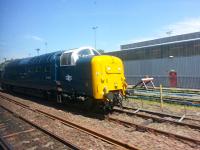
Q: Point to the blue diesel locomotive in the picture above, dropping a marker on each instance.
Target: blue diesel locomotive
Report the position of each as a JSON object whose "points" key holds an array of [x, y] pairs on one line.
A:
{"points": [[82, 74]]}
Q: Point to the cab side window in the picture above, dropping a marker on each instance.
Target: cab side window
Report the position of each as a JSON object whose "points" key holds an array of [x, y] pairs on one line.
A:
{"points": [[65, 59], [95, 52]]}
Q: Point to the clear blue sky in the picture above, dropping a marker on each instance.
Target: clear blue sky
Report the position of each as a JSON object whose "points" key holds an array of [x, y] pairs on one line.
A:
{"points": [[27, 24]]}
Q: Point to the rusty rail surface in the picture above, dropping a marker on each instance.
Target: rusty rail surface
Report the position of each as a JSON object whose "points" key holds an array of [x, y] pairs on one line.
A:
{"points": [[156, 119], [93, 133], [4, 144], [145, 128]]}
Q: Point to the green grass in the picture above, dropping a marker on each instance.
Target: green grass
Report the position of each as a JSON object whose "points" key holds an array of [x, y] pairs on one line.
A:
{"points": [[173, 90], [152, 102]]}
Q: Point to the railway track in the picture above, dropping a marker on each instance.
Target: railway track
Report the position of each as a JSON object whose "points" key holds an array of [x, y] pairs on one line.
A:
{"points": [[161, 114], [4, 144], [17, 132], [93, 133], [160, 117], [154, 119]]}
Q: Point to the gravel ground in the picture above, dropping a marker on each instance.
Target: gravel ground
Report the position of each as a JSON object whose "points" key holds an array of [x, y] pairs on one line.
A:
{"points": [[143, 140], [168, 127], [185, 120], [22, 135], [81, 139]]}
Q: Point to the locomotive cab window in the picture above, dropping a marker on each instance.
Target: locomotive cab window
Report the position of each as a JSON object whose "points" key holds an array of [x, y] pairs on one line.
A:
{"points": [[70, 58], [65, 59], [85, 52], [95, 52]]}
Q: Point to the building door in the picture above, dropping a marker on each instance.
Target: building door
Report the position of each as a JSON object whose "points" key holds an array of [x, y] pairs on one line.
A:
{"points": [[172, 78]]}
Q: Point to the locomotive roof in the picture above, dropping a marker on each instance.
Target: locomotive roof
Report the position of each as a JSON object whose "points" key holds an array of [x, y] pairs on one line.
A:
{"points": [[78, 49], [42, 59]]}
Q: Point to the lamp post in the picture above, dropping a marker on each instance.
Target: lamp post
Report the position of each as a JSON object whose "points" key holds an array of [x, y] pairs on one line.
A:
{"points": [[94, 28], [169, 32], [45, 46], [37, 51]]}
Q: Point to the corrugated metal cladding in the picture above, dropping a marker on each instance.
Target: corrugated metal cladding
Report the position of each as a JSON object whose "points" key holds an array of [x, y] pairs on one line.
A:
{"points": [[157, 61], [162, 40]]}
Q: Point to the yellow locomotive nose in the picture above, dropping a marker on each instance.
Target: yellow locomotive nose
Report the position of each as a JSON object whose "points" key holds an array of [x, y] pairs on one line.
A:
{"points": [[107, 76]]}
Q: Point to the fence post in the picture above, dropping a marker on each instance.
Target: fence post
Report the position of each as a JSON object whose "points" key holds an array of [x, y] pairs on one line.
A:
{"points": [[185, 110], [161, 97], [142, 102]]}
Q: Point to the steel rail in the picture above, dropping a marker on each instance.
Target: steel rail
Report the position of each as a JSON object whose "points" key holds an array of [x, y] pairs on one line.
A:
{"points": [[4, 144], [156, 119], [89, 131], [152, 130], [93, 133], [160, 113], [51, 134]]}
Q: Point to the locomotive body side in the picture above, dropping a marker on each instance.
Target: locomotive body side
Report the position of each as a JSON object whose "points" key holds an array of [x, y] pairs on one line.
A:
{"points": [[76, 79], [69, 75], [33, 73]]}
